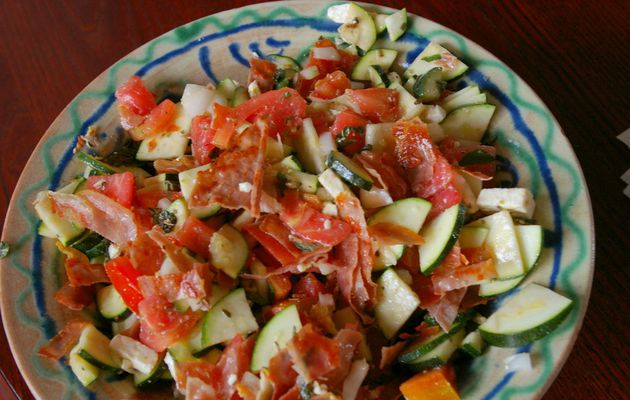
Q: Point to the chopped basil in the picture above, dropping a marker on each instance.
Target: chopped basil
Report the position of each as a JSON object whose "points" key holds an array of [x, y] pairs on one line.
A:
{"points": [[4, 249], [306, 391], [476, 157], [164, 219], [124, 155], [343, 140]]}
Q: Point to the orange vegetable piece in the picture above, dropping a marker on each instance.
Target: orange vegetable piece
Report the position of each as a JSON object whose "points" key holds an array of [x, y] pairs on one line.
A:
{"points": [[429, 385]]}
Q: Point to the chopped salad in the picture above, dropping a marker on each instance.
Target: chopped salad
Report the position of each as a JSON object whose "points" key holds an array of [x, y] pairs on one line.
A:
{"points": [[332, 230]]}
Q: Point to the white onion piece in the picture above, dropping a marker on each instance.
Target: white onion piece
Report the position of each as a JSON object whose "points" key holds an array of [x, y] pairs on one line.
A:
{"points": [[164, 203], [326, 53], [196, 99], [326, 143], [135, 355], [518, 362], [352, 384], [310, 72]]}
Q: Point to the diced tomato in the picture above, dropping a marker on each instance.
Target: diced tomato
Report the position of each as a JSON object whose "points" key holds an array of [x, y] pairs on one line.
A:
{"points": [[146, 255], [262, 72], [376, 104], [322, 118], [443, 199], [124, 277], [161, 324], [345, 63], [311, 224], [195, 235], [309, 287], [285, 109], [263, 255], [224, 125], [468, 154], [160, 120], [135, 96], [201, 137], [119, 187], [150, 198], [331, 86], [349, 132], [274, 247], [314, 354]]}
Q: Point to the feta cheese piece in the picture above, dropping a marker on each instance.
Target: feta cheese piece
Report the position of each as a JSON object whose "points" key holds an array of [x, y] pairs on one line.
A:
{"points": [[330, 209], [518, 201], [245, 187]]}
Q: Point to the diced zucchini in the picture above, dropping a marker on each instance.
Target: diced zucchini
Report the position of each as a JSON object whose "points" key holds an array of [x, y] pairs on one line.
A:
{"points": [[473, 344], [284, 62], [125, 324], [95, 165], [358, 26], [275, 336], [464, 97], [227, 318], [64, 230], [379, 136], [428, 86], [435, 55], [110, 304], [472, 236], [228, 250], [424, 345], [73, 186], [529, 315], [349, 171], [227, 88], [291, 162], [396, 24], [503, 244], [383, 58], [439, 355], [179, 208], [378, 76], [408, 104], [332, 183], [440, 234], [530, 240], [142, 381], [303, 181], [187, 181], [379, 22], [395, 303], [163, 146], [240, 96], [469, 122], [307, 147], [85, 372], [93, 347]]}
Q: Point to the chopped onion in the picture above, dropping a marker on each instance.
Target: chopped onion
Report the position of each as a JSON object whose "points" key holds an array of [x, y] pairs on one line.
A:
{"points": [[326, 143], [163, 203], [326, 299], [436, 132], [435, 114], [253, 89], [326, 53], [518, 362], [352, 384], [330, 209], [375, 197], [135, 356], [310, 72], [196, 99]]}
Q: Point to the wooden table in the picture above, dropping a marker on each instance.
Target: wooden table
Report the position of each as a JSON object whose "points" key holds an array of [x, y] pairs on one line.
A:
{"points": [[576, 56]]}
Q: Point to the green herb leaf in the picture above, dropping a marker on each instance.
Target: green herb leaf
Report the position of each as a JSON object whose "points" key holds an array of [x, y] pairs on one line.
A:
{"points": [[164, 219], [344, 139], [434, 57], [4, 249], [476, 157]]}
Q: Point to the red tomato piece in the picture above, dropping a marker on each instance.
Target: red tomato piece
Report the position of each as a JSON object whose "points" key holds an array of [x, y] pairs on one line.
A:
{"points": [[276, 249], [195, 235], [331, 86], [376, 104], [349, 132], [161, 324], [124, 277], [119, 187], [224, 125], [134, 96], [285, 109], [262, 72], [280, 286], [310, 224], [160, 120], [150, 198], [201, 137], [145, 254], [309, 287], [455, 152]]}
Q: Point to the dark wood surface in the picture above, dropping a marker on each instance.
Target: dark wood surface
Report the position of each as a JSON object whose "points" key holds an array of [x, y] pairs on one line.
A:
{"points": [[575, 55]]}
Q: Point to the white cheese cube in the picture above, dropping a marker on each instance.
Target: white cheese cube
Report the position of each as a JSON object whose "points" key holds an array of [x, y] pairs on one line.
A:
{"points": [[518, 201]]}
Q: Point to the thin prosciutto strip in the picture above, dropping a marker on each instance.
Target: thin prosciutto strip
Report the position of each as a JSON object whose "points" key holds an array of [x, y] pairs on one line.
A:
{"points": [[98, 213], [314, 355], [234, 361], [348, 341], [445, 310], [74, 297], [175, 166], [447, 279], [383, 168], [64, 341], [79, 270], [281, 374], [175, 253], [259, 171], [387, 233]]}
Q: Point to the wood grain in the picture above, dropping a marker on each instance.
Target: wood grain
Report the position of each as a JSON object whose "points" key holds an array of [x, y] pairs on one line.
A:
{"points": [[575, 55]]}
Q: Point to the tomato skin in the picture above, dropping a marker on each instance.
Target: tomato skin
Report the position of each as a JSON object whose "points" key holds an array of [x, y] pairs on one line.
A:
{"points": [[311, 224], [273, 247], [455, 151], [355, 140], [331, 86], [134, 96], [196, 236], [280, 286], [376, 104], [201, 137], [262, 72], [150, 198], [119, 187], [161, 324], [124, 277], [284, 107], [224, 125]]}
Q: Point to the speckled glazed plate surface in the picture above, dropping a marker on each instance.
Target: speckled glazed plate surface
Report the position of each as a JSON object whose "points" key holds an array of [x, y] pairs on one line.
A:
{"points": [[540, 158]]}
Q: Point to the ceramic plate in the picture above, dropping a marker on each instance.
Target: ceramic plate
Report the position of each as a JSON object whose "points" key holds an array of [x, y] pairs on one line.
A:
{"points": [[540, 158]]}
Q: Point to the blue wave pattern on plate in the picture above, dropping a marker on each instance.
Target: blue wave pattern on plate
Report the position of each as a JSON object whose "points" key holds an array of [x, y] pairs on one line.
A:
{"points": [[323, 26]]}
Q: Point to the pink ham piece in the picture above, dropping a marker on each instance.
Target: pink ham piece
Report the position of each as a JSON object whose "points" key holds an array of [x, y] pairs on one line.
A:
{"points": [[64, 341]]}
